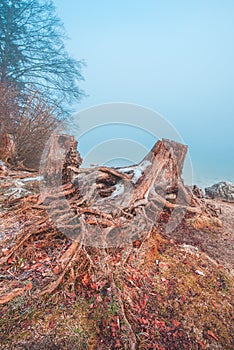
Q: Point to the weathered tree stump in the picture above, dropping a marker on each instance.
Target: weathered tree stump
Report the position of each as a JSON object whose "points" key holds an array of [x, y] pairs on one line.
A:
{"points": [[60, 153], [104, 209]]}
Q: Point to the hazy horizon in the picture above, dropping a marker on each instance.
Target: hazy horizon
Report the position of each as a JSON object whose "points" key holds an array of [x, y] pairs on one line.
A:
{"points": [[173, 57]]}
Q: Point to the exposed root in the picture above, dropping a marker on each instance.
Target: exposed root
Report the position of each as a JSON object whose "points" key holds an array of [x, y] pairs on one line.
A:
{"points": [[67, 263], [22, 240], [117, 292], [10, 296], [107, 207]]}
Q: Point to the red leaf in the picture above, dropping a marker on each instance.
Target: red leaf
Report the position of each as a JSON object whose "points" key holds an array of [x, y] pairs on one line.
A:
{"points": [[117, 344], [93, 286], [56, 270], [176, 323], [85, 280], [211, 334], [29, 286], [159, 324], [143, 302], [136, 244], [51, 322], [6, 252], [202, 345], [99, 299], [214, 304]]}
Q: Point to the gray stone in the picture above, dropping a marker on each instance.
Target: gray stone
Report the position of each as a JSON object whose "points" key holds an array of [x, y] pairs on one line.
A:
{"points": [[222, 190]]}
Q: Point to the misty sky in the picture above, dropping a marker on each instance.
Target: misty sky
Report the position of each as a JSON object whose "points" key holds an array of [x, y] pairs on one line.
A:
{"points": [[175, 57]]}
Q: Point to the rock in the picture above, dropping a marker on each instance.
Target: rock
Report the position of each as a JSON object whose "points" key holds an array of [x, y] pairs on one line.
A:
{"points": [[197, 192], [222, 190]]}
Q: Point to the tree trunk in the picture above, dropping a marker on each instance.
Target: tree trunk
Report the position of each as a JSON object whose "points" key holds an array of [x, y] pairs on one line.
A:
{"points": [[60, 154], [7, 148]]}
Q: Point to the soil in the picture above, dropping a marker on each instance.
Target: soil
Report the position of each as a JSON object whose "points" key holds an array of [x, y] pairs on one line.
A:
{"points": [[218, 245]]}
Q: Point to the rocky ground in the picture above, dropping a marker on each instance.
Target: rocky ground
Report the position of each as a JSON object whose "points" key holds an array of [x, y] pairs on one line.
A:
{"points": [[218, 245]]}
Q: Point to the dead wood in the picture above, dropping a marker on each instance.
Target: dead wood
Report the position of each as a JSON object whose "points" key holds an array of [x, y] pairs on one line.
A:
{"points": [[9, 296], [106, 208], [60, 154]]}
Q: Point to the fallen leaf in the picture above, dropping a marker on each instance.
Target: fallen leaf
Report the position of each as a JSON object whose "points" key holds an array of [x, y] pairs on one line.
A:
{"points": [[56, 270], [51, 322], [211, 334], [176, 323], [29, 286], [202, 345], [6, 251], [117, 343], [143, 302], [85, 280], [214, 304], [136, 244], [99, 299], [93, 286]]}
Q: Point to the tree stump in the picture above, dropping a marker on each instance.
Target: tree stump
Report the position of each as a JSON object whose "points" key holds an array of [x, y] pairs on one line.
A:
{"points": [[104, 210], [60, 153]]}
